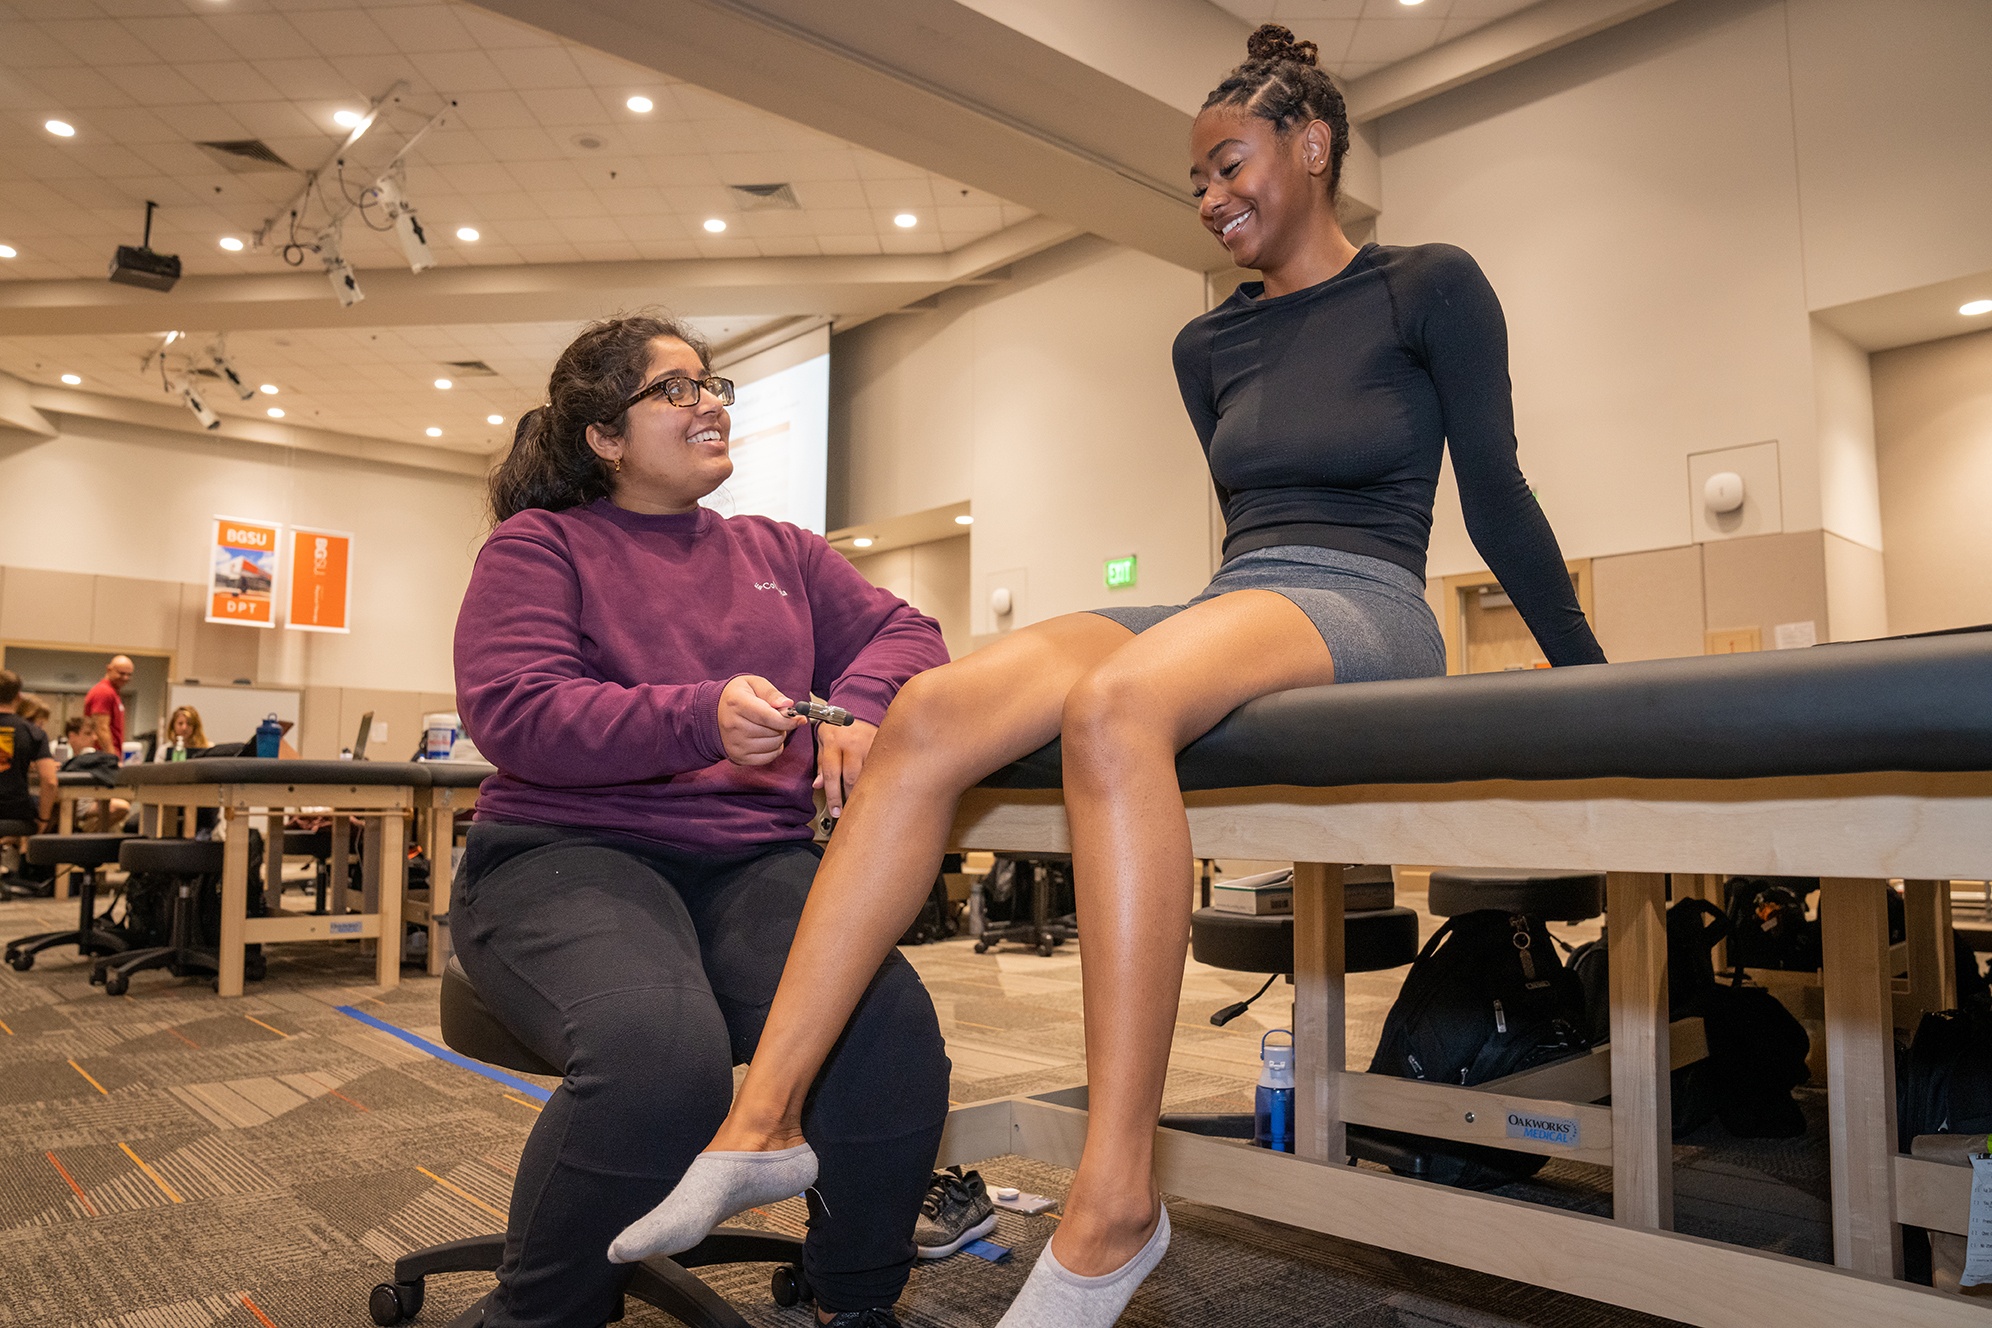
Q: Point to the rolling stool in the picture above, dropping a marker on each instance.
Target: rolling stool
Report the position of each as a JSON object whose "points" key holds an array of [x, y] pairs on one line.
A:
{"points": [[186, 861], [1376, 935], [472, 1029], [1043, 932], [316, 845], [88, 852], [11, 886], [1550, 895]]}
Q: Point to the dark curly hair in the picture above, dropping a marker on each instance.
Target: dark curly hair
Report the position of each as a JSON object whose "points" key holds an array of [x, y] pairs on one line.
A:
{"points": [[550, 464], [1281, 82]]}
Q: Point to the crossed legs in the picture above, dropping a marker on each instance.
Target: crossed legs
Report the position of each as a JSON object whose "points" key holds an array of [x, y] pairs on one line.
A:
{"points": [[1125, 706]]}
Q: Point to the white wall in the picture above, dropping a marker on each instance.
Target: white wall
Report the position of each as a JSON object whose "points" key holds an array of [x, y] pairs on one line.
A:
{"points": [[1660, 207], [1048, 402], [120, 500]]}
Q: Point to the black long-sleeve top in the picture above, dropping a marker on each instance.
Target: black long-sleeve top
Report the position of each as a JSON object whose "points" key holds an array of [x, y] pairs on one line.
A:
{"points": [[1322, 414]]}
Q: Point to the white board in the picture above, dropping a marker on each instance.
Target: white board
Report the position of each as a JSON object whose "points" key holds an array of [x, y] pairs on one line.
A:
{"points": [[231, 714]]}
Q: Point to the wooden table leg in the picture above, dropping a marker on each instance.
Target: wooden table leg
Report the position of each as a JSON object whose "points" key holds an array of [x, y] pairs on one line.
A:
{"points": [[393, 837], [1320, 1015], [234, 900], [273, 859], [65, 824], [1642, 1098], [1932, 956], [1860, 1074]]}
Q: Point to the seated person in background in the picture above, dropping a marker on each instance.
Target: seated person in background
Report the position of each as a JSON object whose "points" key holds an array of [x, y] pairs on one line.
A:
{"points": [[24, 757], [84, 735], [33, 709], [184, 735], [630, 660]]}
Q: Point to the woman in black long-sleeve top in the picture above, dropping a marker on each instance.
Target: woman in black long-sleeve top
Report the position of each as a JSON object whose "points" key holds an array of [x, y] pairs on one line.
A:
{"points": [[1323, 396]]}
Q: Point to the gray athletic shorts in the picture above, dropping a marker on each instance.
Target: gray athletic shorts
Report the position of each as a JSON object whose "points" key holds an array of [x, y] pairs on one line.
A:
{"points": [[1371, 614]]}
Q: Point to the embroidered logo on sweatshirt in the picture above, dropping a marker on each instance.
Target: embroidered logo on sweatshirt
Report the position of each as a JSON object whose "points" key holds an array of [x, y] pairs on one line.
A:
{"points": [[769, 585]]}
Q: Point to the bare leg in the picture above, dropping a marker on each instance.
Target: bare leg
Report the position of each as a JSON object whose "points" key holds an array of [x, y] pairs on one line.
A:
{"points": [[946, 730], [1123, 725]]}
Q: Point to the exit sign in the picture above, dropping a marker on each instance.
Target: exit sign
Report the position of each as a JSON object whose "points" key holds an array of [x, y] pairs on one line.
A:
{"points": [[1120, 572]]}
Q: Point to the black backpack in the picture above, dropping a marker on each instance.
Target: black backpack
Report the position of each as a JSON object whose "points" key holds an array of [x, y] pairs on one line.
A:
{"points": [[1767, 923], [1693, 928], [1756, 1056], [1943, 1083], [1488, 996]]}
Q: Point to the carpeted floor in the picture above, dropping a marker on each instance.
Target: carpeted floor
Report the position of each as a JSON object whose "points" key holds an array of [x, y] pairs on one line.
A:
{"points": [[171, 1159]]}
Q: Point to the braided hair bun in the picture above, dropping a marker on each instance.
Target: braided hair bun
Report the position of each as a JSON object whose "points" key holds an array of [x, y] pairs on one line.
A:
{"points": [[1282, 82], [1272, 42]]}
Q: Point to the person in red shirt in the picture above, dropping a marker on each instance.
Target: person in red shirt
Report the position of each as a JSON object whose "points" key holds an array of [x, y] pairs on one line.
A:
{"points": [[103, 700]]}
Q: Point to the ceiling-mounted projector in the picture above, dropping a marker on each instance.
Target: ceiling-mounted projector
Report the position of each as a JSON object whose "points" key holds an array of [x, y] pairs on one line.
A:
{"points": [[140, 266]]}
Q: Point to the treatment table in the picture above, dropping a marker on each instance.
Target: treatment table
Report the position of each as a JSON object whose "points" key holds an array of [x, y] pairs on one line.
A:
{"points": [[242, 788], [1857, 763]]}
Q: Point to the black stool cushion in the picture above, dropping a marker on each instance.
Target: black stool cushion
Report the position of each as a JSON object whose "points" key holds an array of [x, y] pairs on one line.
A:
{"points": [[74, 850], [308, 843], [1371, 941], [175, 857], [1557, 896], [11, 828], [472, 1029]]}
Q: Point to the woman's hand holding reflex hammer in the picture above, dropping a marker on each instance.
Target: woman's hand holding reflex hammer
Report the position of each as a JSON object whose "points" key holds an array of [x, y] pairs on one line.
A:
{"points": [[752, 727]]}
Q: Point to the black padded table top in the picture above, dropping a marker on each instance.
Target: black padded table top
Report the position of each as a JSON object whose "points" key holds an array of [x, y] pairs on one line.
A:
{"points": [[1923, 704], [81, 778], [267, 770], [459, 774]]}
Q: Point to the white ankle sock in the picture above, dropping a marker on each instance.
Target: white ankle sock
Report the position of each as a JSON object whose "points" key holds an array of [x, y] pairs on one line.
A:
{"points": [[1055, 1297], [715, 1187]]}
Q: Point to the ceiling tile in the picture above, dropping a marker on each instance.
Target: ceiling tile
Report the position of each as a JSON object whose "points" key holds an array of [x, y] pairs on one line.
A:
{"points": [[1392, 39], [346, 32], [101, 42], [176, 39], [537, 67], [229, 81], [261, 36]]}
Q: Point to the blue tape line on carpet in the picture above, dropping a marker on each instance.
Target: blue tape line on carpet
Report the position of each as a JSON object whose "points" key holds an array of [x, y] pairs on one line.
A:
{"points": [[443, 1053]]}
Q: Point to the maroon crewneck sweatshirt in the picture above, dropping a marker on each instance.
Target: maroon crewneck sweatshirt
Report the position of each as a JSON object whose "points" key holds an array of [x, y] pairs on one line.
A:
{"points": [[593, 643]]}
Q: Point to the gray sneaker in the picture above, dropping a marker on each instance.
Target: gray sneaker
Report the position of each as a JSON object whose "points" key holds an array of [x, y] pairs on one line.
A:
{"points": [[956, 1211]]}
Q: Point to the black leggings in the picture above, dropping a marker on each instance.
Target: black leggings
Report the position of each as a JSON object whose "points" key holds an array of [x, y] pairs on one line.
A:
{"points": [[647, 975]]}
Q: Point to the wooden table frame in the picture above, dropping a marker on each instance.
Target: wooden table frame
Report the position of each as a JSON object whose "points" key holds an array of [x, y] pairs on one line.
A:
{"points": [[436, 808], [1854, 831], [391, 804]]}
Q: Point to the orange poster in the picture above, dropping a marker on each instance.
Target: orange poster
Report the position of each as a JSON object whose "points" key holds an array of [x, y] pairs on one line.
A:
{"points": [[320, 566], [242, 573]]}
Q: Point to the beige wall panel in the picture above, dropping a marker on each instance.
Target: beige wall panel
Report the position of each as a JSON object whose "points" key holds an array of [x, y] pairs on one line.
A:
{"points": [[1765, 582], [135, 614], [432, 702], [1933, 440], [902, 409], [941, 589], [222, 653], [1649, 605], [891, 571], [54, 607], [318, 724], [1849, 484], [186, 627], [1632, 198], [1856, 590], [401, 712]]}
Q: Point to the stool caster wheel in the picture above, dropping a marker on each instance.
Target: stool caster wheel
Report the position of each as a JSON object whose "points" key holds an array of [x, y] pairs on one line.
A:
{"points": [[116, 984], [789, 1287], [393, 1302], [254, 968], [982, 947], [96, 975], [1044, 949], [21, 963]]}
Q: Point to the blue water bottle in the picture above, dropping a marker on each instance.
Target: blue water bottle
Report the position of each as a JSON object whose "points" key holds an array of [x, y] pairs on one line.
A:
{"points": [[1272, 1106], [269, 734]]}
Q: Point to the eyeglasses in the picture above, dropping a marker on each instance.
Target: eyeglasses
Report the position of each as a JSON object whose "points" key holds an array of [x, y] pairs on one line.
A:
{"points": [[682, 391]]}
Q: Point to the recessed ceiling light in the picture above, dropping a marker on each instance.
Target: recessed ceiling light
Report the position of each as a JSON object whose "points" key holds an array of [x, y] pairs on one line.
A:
{"points": [[641, 105], [74, 380], [862, 542], [8, 251], [60, 128], [1408, 3], [468, 234], [906, 221], [275, 412], [444, 385], [1975, 308], [346, 119], [715, 225], [230, 243], [433, 431], [964, 520], [494, 419], [269, 389]]}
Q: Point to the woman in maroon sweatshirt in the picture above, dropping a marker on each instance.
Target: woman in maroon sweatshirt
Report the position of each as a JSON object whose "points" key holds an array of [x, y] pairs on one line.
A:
{"points": [[639, 862]]}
